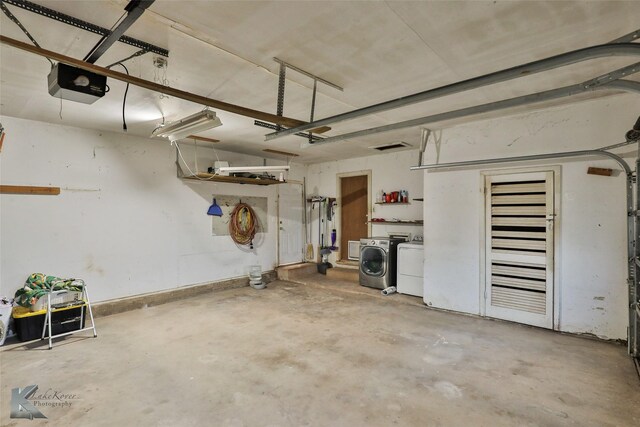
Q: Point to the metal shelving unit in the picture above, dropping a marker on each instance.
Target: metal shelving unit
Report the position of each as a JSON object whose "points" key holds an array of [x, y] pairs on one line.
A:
{"points": [[210, 177]]}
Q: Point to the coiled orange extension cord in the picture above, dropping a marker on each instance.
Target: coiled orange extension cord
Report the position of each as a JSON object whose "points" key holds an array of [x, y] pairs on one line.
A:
{"points": [[242, 224]]}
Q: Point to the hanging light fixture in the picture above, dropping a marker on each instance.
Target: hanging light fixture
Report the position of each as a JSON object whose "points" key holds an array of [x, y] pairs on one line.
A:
{"points": [[198, 122], [237, 169]]}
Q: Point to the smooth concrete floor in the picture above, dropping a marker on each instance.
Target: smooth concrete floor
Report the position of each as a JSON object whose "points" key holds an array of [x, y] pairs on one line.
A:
{"points": [[322, 354]]}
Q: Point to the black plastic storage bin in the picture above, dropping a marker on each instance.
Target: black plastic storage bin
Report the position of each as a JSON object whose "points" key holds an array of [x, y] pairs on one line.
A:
{"points": [[29, 324]]}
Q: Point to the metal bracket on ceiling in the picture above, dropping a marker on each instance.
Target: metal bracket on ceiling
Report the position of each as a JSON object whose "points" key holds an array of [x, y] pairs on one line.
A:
{"points": [[26, 32], [613, 75], [281, 90], [627, 38], [313, 107], [424, 139], [274, 127], [281, 83], [87, 26], [15, 20], [134, 10], [308, 74]]}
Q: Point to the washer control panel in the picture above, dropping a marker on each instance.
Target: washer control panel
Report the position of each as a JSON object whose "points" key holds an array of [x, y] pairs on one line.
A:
{"points": [[381, 243]]}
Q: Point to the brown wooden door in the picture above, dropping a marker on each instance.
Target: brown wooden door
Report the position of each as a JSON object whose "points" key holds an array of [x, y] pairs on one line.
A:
{"points": [[353, 218]]}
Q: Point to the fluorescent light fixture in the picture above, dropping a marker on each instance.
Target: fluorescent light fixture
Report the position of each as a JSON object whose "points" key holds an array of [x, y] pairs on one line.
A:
{"points": [[238, 169], [198, 122]]}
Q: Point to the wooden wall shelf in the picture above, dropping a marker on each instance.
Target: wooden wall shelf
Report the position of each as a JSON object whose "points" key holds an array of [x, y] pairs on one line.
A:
{"points": [[392, 203], [28, 189]]}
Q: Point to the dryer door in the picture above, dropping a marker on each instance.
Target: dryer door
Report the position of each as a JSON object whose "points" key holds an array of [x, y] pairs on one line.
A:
{"points": [[373, 261]]}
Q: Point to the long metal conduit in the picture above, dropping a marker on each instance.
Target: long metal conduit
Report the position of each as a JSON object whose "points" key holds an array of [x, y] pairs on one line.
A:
{"points": [[625, 85], [564, 154], [568, 58], [632, 257]]}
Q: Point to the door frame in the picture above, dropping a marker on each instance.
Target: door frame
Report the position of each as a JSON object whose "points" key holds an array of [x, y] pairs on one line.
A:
{"points": [[304, 224], [338, 212], [557, 224]]}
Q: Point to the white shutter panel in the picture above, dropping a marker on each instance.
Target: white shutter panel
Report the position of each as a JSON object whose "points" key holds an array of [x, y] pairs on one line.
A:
{"points": [[519, 247]]}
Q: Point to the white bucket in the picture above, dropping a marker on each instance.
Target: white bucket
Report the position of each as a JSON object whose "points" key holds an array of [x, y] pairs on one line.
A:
{"points": [[255, 277], [255, 272]]}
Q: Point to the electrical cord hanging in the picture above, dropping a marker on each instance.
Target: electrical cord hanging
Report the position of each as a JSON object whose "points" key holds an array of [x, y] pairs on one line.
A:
{"points": [[159, 126], [193, 174], [242, 224], [135, 55], [124, 100]]}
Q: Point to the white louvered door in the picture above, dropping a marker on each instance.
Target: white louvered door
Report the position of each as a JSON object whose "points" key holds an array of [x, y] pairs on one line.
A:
{"points": [[519, 247]]}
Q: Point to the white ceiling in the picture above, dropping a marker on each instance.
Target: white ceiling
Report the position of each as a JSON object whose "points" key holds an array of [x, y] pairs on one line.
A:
{"points": [[375, 50]]}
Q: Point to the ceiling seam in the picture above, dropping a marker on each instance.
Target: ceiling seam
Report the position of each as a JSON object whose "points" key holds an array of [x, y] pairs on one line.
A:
{"points": [[422, 39]]}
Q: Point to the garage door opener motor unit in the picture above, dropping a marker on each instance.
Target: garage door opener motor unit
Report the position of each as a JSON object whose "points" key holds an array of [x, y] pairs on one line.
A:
{"points": [[75, 84]]}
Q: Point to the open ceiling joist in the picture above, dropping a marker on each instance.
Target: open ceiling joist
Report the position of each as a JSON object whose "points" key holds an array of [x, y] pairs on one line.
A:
{"points": [[146, 84]]}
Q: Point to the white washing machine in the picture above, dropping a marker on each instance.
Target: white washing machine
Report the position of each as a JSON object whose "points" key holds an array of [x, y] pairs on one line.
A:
{"points": [[410, 279]]}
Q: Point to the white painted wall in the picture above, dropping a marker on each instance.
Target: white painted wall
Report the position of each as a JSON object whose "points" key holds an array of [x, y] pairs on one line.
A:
{"points": [[592, 295], [123, 221], [126, 224], [389, 172]]}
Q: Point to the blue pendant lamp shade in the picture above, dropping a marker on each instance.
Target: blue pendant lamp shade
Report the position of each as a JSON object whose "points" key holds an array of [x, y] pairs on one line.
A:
{"points": [[214, 209]]}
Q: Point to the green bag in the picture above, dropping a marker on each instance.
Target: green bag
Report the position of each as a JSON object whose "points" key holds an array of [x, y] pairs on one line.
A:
{"points": [[38, 285]]}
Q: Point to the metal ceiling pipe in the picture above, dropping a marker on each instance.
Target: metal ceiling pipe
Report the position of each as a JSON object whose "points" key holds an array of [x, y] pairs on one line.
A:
{"points": [[629, 86], [600, 51], [565, 154], [624, 85]]}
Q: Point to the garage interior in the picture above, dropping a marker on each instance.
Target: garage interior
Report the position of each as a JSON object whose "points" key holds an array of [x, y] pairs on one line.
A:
{"points": [[319, 213]]}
